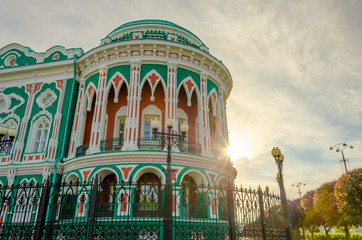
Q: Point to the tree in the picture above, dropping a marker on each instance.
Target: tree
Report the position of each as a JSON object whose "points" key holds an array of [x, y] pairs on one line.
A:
{"points": [[348, 192], [311, 219], [325, 204]]}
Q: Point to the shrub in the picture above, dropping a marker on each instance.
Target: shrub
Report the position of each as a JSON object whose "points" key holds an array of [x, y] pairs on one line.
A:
{"points": [[333, 236]]}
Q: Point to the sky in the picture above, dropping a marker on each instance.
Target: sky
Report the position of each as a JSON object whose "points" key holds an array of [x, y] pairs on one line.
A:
{"points": [[296, 69]]}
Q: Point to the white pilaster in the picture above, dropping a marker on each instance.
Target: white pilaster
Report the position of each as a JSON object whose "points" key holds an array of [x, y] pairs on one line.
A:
{"points": [[171, 102], [205, 124], [133, 105], [99, 114]]}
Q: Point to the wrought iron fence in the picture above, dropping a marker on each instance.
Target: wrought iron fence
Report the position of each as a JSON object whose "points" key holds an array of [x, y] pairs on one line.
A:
{"points": [[82, 150], [109, 210], [159, 143], [112, 144]]}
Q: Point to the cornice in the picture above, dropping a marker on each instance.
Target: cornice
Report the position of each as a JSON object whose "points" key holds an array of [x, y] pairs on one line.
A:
{"points": [[159, 52], [178, 159]]}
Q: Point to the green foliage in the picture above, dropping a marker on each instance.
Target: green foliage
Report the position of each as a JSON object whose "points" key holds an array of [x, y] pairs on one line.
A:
{"points": [[325, 205], [333, 236], [311, 218], [348, 193]]}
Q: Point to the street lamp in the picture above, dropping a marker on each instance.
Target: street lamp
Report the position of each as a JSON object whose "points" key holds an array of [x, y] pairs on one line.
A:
{"points": [[300, 200], [173, 138], [340, 147], [279, 158], [4, 144], [298, 186]]}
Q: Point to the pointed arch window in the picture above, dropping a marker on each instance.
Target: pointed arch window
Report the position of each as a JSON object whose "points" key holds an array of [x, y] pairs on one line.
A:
{"points": [[41, 135]]}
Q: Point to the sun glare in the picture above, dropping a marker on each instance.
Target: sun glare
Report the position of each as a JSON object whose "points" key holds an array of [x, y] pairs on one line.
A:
{"points": [[238, 148]]}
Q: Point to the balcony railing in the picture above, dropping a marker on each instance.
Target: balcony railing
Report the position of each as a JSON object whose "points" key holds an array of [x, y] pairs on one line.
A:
{"points": [[158, 143], [81, 150], [153, 143], [112, 144]]}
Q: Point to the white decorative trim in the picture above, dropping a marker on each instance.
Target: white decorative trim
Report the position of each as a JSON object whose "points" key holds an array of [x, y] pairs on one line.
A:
{"points": [[33, 127], [154, 86], [189, 93], [198, 181], [89, 96], [7, 99], [116, 88], [214, 99], [43, 96], [10, 116], [149, 169], [43, 112]]}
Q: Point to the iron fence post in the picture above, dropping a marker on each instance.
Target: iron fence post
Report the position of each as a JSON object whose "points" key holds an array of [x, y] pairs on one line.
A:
{"points": [[42, 210], [262, 214], [232, 227], [92, 208]]}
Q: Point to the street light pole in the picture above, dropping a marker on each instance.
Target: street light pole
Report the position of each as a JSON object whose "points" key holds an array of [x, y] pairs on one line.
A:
{"points": [[340, 147], [172, 138], [298, 186], [300, 200], [279, 158]]}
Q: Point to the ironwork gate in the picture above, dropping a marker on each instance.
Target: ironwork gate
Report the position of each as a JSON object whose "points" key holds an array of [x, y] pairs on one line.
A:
{"points": [[110, 210]]}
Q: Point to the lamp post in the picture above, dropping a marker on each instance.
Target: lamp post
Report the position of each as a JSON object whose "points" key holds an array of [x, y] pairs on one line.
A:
{"points": [[172, 139], [300, 200], [279, 158], [298, 186], [340, 147], [4, 144]]}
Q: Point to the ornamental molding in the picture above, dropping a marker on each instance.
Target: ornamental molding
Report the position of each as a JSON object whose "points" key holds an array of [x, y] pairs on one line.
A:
{"points": [[10, 121], [192, 58], [46, 99], [5, 102], [34, 75], [178, 159], [153, 78], [39, 57], [42, 113]]}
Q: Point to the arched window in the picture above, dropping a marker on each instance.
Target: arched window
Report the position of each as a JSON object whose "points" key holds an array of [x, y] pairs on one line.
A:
{"points": [[41, 135], [194, 199], [106, 196], [223, 201], [69, 197], [148, 196]]}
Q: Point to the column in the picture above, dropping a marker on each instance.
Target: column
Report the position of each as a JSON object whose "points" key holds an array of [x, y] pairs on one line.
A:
{"points": [[78, 120], [53, 143], [99, 114], [133, 104], [223, 117], [171, 100], [31, 90], [205, 124]]}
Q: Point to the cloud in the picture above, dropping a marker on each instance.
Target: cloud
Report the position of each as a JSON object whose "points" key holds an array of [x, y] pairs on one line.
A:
{"points": [[296, 67]]}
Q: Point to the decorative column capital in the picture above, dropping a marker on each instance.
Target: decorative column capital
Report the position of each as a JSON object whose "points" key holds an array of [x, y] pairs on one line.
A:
{"points": [[135, 63], [172, 65], [203, 75]]}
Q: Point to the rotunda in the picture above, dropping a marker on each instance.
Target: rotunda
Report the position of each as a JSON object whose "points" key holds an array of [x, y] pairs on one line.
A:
{"points": [[143, 71]]}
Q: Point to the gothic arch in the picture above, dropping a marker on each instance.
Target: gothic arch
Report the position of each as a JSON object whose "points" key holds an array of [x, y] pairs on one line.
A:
{"points": [[153, 78]]}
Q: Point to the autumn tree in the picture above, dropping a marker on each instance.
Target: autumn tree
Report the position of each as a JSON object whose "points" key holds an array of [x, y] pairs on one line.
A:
{"points": [[325, 204], [348, 193], [311, 218]]}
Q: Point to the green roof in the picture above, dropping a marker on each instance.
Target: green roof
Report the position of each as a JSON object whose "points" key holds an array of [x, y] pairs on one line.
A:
{"points": [[153, 22]]}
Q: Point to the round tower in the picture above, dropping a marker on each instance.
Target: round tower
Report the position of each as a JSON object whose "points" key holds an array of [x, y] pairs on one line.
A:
{"points": [[144, 71]]}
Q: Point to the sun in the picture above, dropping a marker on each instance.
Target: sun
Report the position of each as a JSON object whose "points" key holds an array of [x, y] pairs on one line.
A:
{"points": [[238, 148]]}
